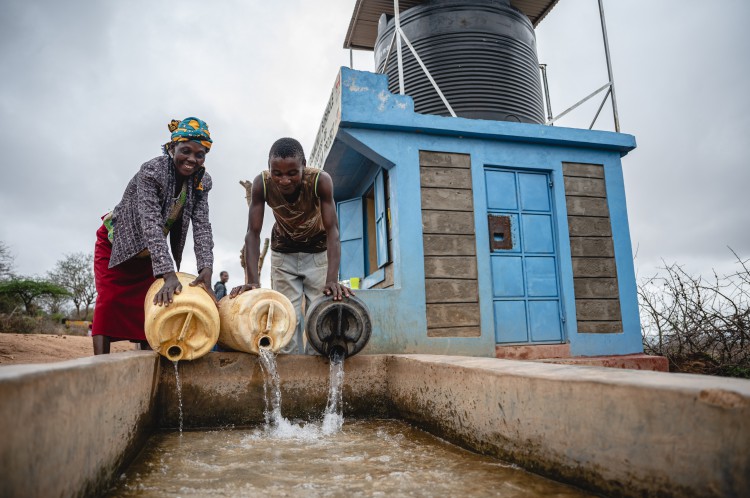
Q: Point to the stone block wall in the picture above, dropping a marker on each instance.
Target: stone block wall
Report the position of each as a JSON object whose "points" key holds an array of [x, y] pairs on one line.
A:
{"points": [[594, 270], [450, 262]]}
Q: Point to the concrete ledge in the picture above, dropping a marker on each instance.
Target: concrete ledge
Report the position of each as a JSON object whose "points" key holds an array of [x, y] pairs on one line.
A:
{"points": [[629, 361], [226, 389], [535, 352], [618, 432], [560, 353], [69, 427]]}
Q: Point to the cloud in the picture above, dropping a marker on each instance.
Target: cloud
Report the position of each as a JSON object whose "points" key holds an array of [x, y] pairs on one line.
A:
{"points": [[89, 87], [680, 82]]}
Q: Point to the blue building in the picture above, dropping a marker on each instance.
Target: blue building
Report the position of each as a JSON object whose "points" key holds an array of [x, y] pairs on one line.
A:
{"points": [[474, 236]]}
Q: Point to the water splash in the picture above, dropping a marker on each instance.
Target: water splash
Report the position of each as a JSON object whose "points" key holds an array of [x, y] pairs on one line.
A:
{"points": [[333, 417], [278, 427], [271, 389], [179, 390]]}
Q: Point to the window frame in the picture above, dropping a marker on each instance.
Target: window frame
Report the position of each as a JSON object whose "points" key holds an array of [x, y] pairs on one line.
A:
{"points": [[353, 233]]}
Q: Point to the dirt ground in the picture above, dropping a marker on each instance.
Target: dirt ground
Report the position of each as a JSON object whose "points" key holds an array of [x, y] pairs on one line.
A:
{"points": [[17, 349]]}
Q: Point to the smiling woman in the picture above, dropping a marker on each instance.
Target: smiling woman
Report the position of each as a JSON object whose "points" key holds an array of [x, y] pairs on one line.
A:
{"points": [[161, 200]]}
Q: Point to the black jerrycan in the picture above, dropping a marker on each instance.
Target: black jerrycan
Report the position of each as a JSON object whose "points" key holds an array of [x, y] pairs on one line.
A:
{"points": [[338, 328]]}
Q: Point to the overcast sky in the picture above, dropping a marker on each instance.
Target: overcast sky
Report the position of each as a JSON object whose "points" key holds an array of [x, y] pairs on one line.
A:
{"points": [[88, 87]]}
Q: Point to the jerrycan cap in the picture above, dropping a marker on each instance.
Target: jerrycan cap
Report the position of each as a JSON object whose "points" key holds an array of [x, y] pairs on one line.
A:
{"points": [[338, 328]]}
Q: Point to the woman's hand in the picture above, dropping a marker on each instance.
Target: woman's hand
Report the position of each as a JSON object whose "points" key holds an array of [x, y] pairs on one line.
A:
{"points": [[337, 290], [242, 288], [204, 280], [171, 288]]}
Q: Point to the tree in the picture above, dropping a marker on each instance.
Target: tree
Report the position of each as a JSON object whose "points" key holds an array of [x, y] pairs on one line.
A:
{"points": [[7, 303], [28, 290], [75, 273], [6, 261], [56, 305]]}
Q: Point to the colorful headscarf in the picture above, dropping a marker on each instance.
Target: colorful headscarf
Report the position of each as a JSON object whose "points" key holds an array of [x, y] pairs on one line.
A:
{"points": [[191, 129]]}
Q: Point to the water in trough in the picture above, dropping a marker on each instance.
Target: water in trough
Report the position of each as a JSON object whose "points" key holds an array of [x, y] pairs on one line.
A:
{"points": [[321, 458]]}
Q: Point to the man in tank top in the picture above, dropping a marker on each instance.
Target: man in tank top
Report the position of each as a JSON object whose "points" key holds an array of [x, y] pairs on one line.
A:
{"points": [[305, 247]]}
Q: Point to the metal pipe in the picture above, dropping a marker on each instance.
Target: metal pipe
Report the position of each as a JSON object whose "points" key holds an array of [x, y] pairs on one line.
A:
{"points": [[600, 108], [609, 66], [351, 58], [543, 67], [398, 49], [427, 73]]}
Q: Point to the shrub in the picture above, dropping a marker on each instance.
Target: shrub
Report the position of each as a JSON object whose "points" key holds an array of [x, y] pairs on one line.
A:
{"points": [[24, 324], [700, 325], [18, 324]]}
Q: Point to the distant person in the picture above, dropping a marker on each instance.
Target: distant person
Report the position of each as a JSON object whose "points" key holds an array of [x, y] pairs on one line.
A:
{"points": [[161, 200], [220, 287], [305, 247]]}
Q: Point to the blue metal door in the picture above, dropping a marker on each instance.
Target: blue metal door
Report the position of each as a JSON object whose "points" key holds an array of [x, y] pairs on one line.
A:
{"points": [[523, 257]]}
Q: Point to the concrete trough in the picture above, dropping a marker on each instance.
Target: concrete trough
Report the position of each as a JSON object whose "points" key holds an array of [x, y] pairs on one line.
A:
{"points": [[70, 428]]}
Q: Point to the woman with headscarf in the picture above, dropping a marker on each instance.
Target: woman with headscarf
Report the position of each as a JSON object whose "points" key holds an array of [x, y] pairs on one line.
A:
{"points": [[161, 200]]}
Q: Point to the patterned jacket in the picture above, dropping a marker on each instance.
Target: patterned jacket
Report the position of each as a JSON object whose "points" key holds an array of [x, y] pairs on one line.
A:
{"points": [[140, 216]]}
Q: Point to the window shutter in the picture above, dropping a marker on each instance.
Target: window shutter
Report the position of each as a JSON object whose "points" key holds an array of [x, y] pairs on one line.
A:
{"points": [[351, 237], [381, 223]]}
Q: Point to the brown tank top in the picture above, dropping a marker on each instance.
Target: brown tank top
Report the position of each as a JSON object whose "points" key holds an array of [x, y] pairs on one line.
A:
{"points": [[299, 225]]}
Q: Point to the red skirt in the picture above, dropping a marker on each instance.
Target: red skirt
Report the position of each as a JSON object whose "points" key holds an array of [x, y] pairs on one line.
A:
{"points": [[121, 292]]}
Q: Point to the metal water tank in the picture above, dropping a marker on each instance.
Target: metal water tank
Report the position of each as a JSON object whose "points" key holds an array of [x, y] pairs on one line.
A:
{"points": [[481, 53]]}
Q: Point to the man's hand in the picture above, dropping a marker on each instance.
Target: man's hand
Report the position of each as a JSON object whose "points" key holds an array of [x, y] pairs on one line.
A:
{"points": [[337, 290], [171, 288], [236, 291], [204, 279]]}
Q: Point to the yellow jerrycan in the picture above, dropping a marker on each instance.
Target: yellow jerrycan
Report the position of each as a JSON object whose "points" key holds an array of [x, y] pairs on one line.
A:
{"points": [[260, 318], [186, 329]]}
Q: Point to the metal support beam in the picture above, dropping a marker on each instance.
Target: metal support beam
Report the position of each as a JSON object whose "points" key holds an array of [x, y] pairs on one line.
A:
{"points": [[426, 72], [398, 49], [601, 106], [351, 58], [609, 67], [609, 86], [543, 67], [388, 53], [589, 96]]}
